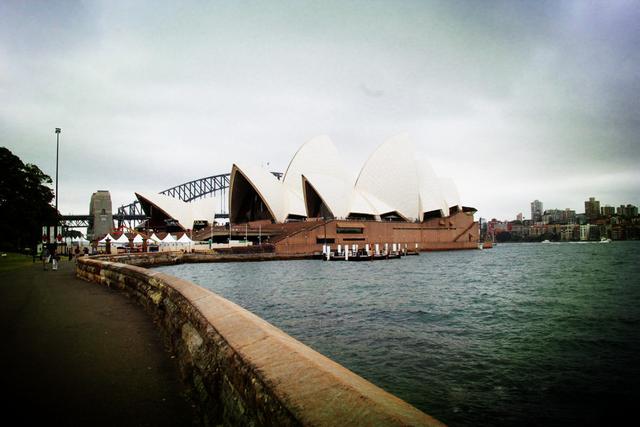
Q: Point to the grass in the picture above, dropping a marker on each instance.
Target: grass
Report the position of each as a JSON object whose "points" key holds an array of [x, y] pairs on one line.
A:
{"points": [[13, 261]]}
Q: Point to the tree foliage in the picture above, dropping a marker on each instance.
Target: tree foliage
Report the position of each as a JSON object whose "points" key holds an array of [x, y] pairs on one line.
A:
{"points": [[74, 234], [25, 202]]}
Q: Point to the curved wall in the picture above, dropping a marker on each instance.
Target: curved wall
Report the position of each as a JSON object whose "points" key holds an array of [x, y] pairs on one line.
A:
{"points": [[243, 370]]}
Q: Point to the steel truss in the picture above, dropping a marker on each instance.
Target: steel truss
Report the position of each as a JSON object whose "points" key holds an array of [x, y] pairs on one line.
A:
{"points": [[215, 185]]}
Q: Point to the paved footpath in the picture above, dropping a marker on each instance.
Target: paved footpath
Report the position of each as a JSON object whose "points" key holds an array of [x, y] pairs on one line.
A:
{"points": [[77, 353]]}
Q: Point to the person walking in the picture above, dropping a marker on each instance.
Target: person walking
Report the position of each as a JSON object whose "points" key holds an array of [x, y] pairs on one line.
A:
{"points": [[55, 258], [45, 257]]}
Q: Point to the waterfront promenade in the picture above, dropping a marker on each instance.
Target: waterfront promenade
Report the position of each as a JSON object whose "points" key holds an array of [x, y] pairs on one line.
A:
{"points": [[75, 353]]}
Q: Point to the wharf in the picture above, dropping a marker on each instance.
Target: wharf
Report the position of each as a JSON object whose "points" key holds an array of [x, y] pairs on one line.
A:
{"points": [[362, 256]]}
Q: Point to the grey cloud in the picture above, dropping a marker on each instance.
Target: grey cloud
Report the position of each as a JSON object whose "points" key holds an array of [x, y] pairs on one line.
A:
{"points": [[154, 94]]}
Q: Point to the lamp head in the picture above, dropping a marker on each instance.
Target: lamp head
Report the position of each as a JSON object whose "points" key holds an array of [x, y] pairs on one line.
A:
{"points": [[58, 130]]}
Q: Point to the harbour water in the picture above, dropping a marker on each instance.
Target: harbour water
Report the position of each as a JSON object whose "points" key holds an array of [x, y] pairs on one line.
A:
{"points": [[521, 334]]}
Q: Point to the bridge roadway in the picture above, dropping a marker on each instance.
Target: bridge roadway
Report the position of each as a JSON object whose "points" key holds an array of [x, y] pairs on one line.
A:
{"points": [[79, 354]]}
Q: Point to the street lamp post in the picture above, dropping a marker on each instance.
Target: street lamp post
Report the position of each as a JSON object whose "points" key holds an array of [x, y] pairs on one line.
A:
{"points": [[55, 227]]}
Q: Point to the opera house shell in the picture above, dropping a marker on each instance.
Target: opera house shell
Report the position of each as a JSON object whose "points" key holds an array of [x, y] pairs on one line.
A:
{"points": [[393, 187], [394, 199], [171, 214]]}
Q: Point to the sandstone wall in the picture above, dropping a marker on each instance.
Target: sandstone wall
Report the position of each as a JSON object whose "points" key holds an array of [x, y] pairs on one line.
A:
{"points": [[241, 369]]}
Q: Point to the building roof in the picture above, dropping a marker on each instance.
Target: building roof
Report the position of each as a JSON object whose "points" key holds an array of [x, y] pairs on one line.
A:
{"points": [[390, 176], [185, 213], [391, 183], [319, 160]]}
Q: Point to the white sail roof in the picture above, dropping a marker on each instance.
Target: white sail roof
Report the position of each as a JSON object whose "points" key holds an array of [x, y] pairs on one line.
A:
{"points": [[450, 192], [183, 212], [391, 182], [334, 191], [431, 199], [390, 176], [316, 157], [265, 184], [362, 199]]}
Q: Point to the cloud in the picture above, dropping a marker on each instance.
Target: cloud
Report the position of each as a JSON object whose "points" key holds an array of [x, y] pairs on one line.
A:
{"points": [[507, 98]]}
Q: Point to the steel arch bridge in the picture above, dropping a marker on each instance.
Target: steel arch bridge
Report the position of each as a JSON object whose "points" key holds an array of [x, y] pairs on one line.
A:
{"points": [[215, 185]]}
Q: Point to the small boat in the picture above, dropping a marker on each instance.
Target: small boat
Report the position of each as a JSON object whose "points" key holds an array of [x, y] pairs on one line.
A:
{"points": [[546, 241], [605, 240]]}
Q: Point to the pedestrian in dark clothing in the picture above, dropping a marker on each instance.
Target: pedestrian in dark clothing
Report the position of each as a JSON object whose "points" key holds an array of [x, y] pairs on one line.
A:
{"points": [[45, 257]]}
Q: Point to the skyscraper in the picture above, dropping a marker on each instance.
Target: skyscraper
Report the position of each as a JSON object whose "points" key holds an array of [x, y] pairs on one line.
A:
{"points": [[536, 211], [592, 208]]}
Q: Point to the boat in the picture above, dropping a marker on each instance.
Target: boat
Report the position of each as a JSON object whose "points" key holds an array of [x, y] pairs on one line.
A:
{"points": [[546, 241], [605, 240]]}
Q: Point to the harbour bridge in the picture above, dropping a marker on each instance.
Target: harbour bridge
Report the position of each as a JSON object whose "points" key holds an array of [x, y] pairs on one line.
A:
{"points": [[132, 215]]}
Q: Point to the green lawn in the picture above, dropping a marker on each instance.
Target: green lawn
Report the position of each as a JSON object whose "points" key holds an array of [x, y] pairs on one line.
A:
{"points": [[12, 261]]}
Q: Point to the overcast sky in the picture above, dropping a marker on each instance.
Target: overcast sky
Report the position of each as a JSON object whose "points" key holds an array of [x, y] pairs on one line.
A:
{"points": [[515, 100]]}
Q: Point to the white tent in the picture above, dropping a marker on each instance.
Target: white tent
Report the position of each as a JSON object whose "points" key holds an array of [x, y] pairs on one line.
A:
{"points": [[79, 241], [168, 239], [185, 239], [155, 238], [122, 240], [108, 236], [137, 239]]}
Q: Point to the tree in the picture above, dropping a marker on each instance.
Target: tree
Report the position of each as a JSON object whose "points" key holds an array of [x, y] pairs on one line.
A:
{"points": [[25, 202], [74, 234]]}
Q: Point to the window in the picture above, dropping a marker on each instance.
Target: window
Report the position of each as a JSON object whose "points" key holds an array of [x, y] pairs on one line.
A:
{"points": [[327, 240], [350, 230]]}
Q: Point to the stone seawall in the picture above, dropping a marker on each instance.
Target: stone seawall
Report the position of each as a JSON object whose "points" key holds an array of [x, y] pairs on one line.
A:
{"points": [[241, 369]]}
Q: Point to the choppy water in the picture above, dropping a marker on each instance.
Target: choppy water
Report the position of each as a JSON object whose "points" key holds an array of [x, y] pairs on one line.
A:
{"points": [[522, 334]]}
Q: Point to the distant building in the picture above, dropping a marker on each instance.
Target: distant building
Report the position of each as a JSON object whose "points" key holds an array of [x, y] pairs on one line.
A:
{"points": [[557, 216], [536, 211], [568, 216], [607, 211], [592, 208], [628, 211], [101, 215], [519, 217], [584, 232], [552, 216]]}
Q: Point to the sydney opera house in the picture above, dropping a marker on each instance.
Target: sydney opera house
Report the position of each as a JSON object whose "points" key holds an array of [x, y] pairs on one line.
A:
{"points": [[395, 199]]}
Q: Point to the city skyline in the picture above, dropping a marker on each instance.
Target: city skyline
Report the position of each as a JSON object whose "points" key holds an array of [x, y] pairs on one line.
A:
{"points": [[579, 211], [514, 101]]}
